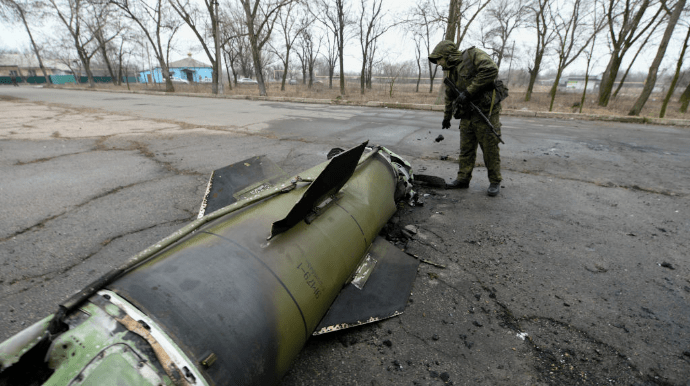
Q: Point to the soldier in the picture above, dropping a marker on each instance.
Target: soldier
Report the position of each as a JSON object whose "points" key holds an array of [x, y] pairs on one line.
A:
{"points": [[473, 72]]}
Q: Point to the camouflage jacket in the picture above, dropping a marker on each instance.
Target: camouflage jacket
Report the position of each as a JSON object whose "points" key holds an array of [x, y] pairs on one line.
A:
{"points": [[477, 78]]}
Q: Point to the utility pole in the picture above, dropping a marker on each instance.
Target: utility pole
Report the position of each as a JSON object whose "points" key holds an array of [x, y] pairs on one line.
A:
{"points": [[216, 36]]}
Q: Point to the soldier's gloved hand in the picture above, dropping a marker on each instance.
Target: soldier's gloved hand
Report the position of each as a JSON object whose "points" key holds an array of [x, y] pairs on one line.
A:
{"points": [[463, 98], [446, 123]]}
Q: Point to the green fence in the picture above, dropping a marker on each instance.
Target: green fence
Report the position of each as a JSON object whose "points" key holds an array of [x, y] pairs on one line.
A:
{"points": [[30, 80], [63, 79]]}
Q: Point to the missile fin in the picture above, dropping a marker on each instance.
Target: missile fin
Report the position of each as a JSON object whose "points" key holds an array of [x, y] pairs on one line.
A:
{"points": [[239, 180], [383, 296], [332, 178]]}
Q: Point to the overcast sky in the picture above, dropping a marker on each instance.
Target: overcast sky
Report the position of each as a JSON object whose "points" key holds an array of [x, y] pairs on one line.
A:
{"points": [[393, 44]]}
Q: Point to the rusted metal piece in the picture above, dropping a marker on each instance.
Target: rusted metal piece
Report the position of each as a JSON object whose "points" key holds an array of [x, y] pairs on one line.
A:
{"points": [[168, 365]]}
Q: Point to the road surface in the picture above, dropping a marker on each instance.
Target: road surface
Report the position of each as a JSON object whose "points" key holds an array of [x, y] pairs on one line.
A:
{"points": [[577, 273]]}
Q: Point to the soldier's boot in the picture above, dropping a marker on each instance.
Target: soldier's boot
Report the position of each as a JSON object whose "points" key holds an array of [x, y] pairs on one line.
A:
{"points": [[458, 184], [494, 189]]}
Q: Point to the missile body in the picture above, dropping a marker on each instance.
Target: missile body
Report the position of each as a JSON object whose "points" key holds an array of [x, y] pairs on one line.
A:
{"points": [[231, 303]]}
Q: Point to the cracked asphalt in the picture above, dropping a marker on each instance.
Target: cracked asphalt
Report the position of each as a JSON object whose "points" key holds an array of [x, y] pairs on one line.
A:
{"points": [[577, 273]]}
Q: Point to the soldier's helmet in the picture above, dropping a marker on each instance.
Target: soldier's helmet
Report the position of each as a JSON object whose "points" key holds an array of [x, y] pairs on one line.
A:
{"points": [[448, 50]]}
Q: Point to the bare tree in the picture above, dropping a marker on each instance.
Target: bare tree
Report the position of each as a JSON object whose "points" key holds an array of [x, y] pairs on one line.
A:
{"points": [[371, 27], [154, 19], [570, 38], [236, 44], [124, 52], [634, 59], [334, 15], [423, 24], [72, 13], [461, 14], [331, 55], [626, 24], [392, 71], [310, 49], [260, 17], [291, 28], [417, 39], [650, 82], [676, 75], [596, 21], [502, 18], [588, 53], [23, 10], [99, 27], [208, 18], [460, 17], [685, 99], [307, 55], [544, 27]]}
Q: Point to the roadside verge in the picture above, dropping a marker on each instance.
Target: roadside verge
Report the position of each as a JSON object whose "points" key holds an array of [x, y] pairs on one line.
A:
{"points": [[412, 106]]}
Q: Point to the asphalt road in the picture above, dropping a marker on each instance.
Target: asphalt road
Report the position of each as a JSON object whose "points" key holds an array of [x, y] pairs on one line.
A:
{"points": [[577, 273]]}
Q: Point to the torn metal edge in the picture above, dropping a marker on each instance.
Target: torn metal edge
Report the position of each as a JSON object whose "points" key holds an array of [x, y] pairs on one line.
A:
{"points": [[204, 202], [167, 344], [342, 326]]}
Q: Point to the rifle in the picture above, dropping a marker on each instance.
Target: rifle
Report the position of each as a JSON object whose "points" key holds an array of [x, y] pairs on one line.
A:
{"points": [[456, 105]]}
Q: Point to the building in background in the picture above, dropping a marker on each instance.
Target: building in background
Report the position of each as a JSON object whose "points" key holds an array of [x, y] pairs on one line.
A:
{"points": [[187, 69], [25, 67], [577, 83]]}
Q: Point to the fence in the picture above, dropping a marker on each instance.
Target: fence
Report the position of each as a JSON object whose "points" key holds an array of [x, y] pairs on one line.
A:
{"points": [[63, 79]]}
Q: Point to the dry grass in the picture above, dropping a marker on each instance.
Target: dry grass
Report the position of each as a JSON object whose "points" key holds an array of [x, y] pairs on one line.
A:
{"points": [[405, 93]]}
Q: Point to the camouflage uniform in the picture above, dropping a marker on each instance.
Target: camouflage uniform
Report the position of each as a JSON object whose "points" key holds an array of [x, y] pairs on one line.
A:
{"points": [[478, 79]]}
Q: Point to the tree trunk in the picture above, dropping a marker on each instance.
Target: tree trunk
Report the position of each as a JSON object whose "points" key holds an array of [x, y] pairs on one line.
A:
{"points": [[113, 78], [609, 78], [285, 69], [450, 35], [363, 76], [684, 100], [533, 75], [589, 61], [419, 75], [227, 71], [676, 75], [654, 69], [554, 87], [341, 43], [127, 78], [256, 55], [86, 62], [432, 76], [584, 93], [119, 71], [625, 75], [33, 44], [89, 74], [166, 75]]}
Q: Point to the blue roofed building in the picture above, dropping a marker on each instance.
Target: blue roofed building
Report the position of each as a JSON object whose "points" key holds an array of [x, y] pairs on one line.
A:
{"points": [[187, 69]]}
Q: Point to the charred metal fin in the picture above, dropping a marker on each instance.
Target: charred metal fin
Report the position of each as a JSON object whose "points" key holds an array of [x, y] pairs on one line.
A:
{"points": [[245, 178], [332, 178], [383, 296]]}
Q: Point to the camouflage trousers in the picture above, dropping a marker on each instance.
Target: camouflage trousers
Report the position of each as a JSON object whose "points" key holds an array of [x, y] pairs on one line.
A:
{"points": [[474, 131]]}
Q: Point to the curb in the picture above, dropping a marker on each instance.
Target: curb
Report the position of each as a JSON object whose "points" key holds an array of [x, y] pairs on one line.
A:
{"points": [[412, 106]]}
